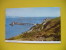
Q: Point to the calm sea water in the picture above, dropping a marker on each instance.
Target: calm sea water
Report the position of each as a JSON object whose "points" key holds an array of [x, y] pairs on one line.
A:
{"points": [[12, 31]]}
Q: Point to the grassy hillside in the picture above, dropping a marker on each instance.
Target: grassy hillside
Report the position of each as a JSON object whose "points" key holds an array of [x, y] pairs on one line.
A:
{"points": [[48, 30]]}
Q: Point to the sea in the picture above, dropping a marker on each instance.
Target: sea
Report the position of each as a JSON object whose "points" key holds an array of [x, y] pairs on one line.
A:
{"points": [[15, 30]]}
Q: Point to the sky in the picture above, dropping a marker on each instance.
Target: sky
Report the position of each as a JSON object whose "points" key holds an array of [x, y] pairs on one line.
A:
{"points": [[33, 12]]}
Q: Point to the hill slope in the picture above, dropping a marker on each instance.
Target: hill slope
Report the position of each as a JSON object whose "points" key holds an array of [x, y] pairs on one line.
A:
{"points": [[48, 30]]}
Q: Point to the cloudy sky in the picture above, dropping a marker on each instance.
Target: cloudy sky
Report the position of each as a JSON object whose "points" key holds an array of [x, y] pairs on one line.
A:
{"points": [[33, 12]]}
